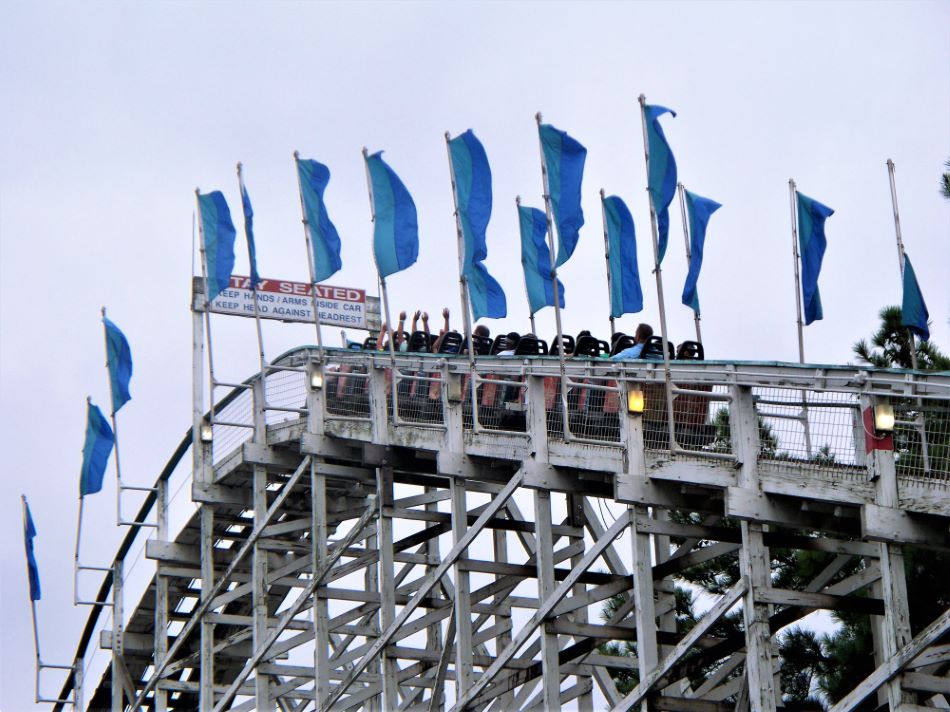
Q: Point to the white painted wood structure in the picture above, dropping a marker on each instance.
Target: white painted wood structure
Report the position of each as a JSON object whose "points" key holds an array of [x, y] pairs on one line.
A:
{"points": [[355, 545]]}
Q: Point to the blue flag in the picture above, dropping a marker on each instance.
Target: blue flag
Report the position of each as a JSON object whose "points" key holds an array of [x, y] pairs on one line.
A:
{"points": [[564, 160], [536, 260], [662, 178], [119, 361], [324, 239], [95, 451], [473, 192], [811, 240], [218, 234], [396, 229], [249, 232], [914, 314], [33, 571], [626, 296], [699, 210]]}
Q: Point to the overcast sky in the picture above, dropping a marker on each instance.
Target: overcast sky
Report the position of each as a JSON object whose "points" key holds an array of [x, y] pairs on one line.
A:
{"points": [[113, 113]]}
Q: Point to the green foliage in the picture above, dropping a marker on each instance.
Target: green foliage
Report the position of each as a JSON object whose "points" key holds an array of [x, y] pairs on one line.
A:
{"points": [[945, 181], [889, 346]]}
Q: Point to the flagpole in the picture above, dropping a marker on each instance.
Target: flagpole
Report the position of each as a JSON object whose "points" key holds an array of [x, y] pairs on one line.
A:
{"points": [[36, 635], [792, 195], [554, 284], [76, 554], [115, 431], [251, 262], [310, 265], [793, 205], [530, 313], [463, 280], [610, 293], [689, 253], [920, 425], [204, 277], [382, 286], [659, 281], [900, 251]]}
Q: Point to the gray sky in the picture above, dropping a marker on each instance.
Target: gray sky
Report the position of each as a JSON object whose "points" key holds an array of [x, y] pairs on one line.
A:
{"points": [[113, 114]]}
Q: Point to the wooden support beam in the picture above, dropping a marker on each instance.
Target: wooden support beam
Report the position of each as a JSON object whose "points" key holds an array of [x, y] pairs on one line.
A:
{"points": [[895, 665]]}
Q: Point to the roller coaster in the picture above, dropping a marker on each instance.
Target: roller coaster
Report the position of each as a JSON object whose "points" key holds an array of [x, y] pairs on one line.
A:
{"points": [[426, 532]]}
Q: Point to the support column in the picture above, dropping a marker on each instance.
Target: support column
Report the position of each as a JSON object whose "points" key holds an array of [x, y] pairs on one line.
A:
{"points": [[551, 678], [387, 586], [321, 615], [754, 561], [118, 637], [206, 697], [644, 606], [463, 604], [161, 593], [893, 631], [262, 698], [575, 509]]}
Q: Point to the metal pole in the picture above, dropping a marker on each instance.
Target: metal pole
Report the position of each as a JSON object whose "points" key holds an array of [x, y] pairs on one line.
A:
{"points": [[554, 287], [463, 280], [689, 252], [76, 555], [531, 313], [610, 292], [115, 431], [793, 205], [257, 316], [385, 293], [36, 635], [919, 424], [792, 195], [310, 265], [207, 312], [659, 283], [900, 251]]}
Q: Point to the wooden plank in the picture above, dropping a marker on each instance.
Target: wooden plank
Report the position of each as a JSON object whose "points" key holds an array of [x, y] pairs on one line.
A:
{"points": [[926, 683], [893, 667], [853, 604], [889, 524]]}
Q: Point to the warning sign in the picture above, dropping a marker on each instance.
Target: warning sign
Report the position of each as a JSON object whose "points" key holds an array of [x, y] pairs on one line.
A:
{"points": [[293, 301]]}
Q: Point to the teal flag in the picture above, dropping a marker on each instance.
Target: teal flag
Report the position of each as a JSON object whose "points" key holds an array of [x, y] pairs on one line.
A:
{"points": [[32, 570], [119, 362], [626, 296], [812, 242], [218, 234], [324, 239], [95, 451], [661, 180], [536, 260], [699, 210], [474, 194], [564, 159], [914, 314], [396, 226]]}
